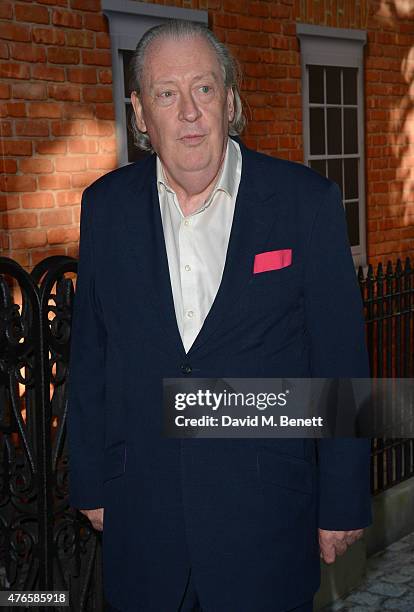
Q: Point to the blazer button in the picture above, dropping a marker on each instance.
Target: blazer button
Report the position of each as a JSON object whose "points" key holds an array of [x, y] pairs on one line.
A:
{"points": [[186, 368]]}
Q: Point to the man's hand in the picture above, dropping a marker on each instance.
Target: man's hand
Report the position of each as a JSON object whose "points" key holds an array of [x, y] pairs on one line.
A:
{"points": [[332, 543], [96, 517]]}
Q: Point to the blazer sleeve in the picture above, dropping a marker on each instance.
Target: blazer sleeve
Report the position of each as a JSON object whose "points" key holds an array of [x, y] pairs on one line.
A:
{"points": [[336, 333], [86, 380]]}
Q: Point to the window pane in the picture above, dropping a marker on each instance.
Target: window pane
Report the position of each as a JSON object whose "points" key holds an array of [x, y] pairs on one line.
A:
{"points": [[351, 178], [350, 85], [126, 58], [319, 165], [350, 130], [333, 85], [317, 131], [352, 217], [133, 152], [316, 84], [335, 171], [334, 131]]}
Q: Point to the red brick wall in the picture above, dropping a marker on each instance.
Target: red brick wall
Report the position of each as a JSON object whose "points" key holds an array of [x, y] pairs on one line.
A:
{"points": [[57, 114], [56, 120], [390, 130]]}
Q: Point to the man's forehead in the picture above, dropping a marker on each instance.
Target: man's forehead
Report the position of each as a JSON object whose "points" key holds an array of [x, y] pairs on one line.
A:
{"points": [[188, 52], [166, 40]]}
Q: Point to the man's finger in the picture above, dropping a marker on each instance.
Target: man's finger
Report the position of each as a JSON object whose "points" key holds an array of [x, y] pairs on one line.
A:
{"points": [[340, 547], [327, 549], [97, 526], [350, 539], [353, 536], [328, 556], [95, 517]]}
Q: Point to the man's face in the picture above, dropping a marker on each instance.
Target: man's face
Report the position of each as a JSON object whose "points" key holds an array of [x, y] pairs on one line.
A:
{"points": [[184, 106]]}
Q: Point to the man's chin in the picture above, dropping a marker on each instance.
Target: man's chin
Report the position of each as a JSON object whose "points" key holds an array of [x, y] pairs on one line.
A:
{"points": [[194, 163], [194, 168]]}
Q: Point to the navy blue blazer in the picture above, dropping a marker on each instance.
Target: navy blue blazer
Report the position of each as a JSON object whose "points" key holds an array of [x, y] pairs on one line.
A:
{"points": [[243, 514]]}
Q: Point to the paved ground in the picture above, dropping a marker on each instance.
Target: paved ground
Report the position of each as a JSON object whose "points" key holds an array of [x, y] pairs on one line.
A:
{"points": [[388, 585]]}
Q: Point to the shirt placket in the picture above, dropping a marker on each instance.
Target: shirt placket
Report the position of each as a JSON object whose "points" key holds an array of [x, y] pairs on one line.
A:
{"points": [[188, 275]]}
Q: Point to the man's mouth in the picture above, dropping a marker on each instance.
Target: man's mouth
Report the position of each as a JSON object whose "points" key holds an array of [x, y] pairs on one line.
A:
{"points": [[192, 139]]}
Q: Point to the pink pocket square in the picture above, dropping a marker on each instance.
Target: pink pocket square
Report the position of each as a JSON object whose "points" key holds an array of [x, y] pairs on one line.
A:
{"points": [[272, 260]]}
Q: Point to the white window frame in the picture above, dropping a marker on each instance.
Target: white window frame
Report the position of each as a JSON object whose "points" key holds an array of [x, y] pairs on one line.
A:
{"points": [[128, 22], [340, 47]]}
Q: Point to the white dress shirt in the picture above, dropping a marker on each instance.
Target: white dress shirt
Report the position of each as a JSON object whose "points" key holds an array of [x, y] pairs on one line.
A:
{"points": [[196, 244]]}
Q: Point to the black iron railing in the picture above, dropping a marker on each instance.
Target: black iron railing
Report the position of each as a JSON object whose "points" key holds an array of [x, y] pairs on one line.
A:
{"points": [[388, 296], [44, 544]]}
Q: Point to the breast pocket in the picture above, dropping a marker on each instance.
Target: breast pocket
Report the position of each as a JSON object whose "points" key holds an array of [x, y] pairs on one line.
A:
{"points": [[264, 281], [273, 296]]}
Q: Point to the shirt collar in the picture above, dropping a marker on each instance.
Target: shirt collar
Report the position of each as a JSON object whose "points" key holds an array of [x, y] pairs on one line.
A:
{"points": [[226, 181]]}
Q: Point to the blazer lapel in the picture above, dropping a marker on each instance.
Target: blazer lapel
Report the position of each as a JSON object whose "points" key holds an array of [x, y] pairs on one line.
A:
{"points": [[146, 246], [255, 213]]}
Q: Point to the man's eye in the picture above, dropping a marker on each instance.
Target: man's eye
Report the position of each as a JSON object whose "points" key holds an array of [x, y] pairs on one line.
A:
{"points": [[205, 89], [166, 94]]}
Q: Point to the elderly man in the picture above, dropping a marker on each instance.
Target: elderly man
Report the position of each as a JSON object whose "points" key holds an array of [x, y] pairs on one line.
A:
{"points": [[168, 287]]}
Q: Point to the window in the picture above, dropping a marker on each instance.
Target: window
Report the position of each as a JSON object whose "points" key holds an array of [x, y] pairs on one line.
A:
{"points": [[333, 132], [128, 21]]}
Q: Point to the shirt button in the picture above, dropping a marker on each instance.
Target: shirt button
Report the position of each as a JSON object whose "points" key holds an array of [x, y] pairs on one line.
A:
{"points": [[187, 268], [190, 313], [186, 368], [186, 222]]}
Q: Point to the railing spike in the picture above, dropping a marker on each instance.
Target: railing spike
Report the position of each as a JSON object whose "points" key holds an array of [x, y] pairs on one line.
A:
{"points": [[389, 272], [380, 271], [370, 278]]}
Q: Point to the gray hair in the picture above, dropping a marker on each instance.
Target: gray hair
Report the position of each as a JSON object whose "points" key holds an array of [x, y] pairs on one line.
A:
{"points": [[179, 29]]}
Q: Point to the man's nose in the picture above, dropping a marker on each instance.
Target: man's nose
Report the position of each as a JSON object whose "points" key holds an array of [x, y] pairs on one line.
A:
{"points": [[189, 110]]}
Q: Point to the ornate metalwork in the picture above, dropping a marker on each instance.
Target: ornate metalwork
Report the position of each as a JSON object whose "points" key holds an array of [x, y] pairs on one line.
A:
{"points": [[44, 544], [388, 296]]}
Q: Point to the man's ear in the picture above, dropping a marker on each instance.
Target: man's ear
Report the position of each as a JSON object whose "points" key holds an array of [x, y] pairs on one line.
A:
{"points": [[139, 116], [230, 104]]}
